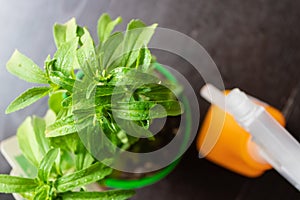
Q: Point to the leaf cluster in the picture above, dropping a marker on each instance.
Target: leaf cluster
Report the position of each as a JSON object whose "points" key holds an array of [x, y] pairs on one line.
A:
{"points": [[109, 87]]}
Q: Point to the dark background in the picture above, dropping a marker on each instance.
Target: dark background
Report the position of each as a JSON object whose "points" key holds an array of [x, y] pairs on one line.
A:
{"points": [[255, 44]]}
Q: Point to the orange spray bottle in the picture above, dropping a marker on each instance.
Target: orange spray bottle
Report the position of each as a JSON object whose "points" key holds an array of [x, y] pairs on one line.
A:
{"points": [[247, 136]]}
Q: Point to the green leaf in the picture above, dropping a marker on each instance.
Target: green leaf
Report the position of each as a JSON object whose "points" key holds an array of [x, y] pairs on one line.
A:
{"points": [[111, 51], [135, 23], [146, 110], [24, 68], [83, 177], [13, 184], [46, 164], [124, 51], [105, 195], [71, 31], [87, 57], [55, 100], [137, 36], [61, 80], [66, 143], [65, 57], [134, 129], [42, 193], [106, 26], [83, 158], [128, 76], [155, 92], [108, 90], [61, 127], [28, 143], [28, 195], [64, 32], [39, 127], [67, 102], [27, 98], [66, 162], [59, 33], [49, 117], [144, 60], [90, 89]]}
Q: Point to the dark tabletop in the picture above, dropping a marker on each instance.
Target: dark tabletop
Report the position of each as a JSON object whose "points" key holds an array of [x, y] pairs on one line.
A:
{"points": [[255, 44]]}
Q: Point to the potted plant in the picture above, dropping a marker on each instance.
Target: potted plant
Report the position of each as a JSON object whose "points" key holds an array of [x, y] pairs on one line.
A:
{"points": [[109, 91]]}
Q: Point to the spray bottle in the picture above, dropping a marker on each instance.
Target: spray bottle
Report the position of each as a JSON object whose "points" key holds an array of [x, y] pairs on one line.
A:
{"points": [[260, 142]]}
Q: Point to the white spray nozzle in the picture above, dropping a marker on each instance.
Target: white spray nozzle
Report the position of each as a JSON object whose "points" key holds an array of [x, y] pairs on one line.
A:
{"points": [[213, 95]]}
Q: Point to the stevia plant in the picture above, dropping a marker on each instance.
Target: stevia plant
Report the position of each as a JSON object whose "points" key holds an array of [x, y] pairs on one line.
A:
{"points": [[106, 90]]}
